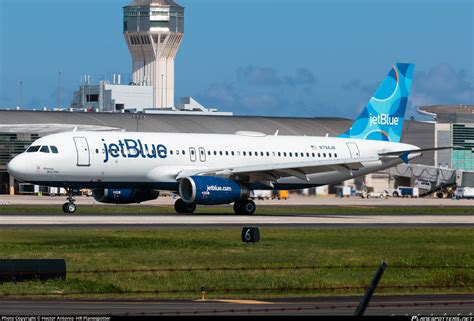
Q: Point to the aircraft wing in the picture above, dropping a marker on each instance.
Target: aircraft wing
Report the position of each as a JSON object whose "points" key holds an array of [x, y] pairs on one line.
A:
{"points": [[271, 172]]}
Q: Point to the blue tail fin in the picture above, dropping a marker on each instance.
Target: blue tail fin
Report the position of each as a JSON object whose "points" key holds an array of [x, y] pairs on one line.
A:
{"points": [[382, 118]]}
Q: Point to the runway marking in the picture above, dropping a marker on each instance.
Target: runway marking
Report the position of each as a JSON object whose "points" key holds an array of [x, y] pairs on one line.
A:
{"points": [[242, 301], [233, 220]]}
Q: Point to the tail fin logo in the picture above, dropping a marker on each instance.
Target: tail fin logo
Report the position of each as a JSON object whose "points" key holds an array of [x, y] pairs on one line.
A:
{"points": [[383, 116], [382, 119]]}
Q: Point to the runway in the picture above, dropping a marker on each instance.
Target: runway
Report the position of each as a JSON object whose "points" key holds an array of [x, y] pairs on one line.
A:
{"points": [[98, 221], [380, 305]]}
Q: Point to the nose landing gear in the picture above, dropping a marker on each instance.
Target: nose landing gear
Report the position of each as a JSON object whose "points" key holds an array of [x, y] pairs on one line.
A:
{"points": [[69, 207]]}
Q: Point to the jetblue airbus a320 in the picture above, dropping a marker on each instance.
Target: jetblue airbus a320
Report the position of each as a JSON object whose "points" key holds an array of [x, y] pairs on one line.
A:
{"points": [[211, 169]]}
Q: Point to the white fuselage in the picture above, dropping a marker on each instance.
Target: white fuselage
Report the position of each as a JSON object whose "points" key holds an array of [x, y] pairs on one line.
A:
{"points": [[154, 160]]}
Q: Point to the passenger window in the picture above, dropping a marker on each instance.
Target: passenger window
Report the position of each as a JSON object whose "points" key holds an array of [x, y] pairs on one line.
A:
{"points": [[250, 153], [184, 153], [171, 152], [302, 154], [279, 154], [220, 153], [261, 153], [54, 150], [44, 149], [177, 152], [335, 155], [33, 149], [215, 153], [232, 152], [312, 154], [226, 153], [268, 154], [296, 154], [319, 154], [324, 155], [209, 152], [291, 154], [284, 154], [330, 155], [244, 154]]}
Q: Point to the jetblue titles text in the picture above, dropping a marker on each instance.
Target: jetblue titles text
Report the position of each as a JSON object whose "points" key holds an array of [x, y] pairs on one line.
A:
{"points": [[133, 148]]}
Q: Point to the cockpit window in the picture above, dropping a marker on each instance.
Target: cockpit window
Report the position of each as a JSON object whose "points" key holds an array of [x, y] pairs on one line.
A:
{"points": [[44, 149], [54, 149], [33, 149]]}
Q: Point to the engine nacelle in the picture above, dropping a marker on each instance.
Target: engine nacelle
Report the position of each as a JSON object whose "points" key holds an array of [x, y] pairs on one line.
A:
{"points": [[210, 190], [124, 196]]}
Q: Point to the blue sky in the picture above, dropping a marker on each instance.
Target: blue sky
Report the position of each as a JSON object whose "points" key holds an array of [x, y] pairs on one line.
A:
{"points": [[257, 57]]}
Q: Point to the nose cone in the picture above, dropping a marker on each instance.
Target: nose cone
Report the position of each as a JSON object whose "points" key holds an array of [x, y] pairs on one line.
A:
{"points": [[17, 167]]}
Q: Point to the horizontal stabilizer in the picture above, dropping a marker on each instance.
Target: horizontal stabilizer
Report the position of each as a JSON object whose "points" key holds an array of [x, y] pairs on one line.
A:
{"points": [[401, 152]]}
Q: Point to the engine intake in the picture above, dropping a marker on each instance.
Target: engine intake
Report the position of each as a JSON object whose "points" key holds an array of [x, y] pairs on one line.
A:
{"points": [[124, 196], [210, 190]]}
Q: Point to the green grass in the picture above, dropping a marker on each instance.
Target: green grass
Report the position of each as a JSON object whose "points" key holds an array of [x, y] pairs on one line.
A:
{"points": [[261, 209], [87, 249]]}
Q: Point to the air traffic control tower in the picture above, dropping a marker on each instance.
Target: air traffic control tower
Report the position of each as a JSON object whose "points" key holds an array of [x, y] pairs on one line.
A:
{"points": [[153, 30]]}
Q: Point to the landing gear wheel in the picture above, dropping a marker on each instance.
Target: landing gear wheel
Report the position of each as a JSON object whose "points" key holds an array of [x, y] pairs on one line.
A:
{"points": [[237, 206], [246, 207], [182, 207], [69, 208]]}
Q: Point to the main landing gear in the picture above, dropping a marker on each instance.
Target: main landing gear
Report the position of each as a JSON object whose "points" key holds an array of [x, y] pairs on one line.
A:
{"points": [[69, 207], [244, 207], [182, 207]]}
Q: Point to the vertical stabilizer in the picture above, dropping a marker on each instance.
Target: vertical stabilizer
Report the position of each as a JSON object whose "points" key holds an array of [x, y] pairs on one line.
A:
{"points": [[382, 118]]}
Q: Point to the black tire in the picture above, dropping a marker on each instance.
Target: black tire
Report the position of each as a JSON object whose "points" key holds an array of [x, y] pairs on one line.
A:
{"points": [[182, 207], [237, 206], [246, 207], [395, 194], [69, 208]]}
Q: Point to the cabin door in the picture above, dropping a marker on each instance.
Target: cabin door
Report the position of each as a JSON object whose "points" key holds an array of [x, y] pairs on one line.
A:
{"points": [[82, 150]]}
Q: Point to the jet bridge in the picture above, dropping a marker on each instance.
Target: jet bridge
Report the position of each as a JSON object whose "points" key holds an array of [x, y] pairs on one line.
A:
{"points": [[440, 177]]}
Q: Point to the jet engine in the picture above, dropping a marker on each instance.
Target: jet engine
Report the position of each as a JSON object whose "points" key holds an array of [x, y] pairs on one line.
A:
{"points": [[124, 196], [210, 190]]}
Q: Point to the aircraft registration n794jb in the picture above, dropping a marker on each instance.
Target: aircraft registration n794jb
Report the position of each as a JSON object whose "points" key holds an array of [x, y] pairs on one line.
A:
{"points": [[211, 169]]}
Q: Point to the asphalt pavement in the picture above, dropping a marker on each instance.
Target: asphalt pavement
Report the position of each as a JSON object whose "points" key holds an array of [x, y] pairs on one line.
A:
{"points": [[411, 305]]}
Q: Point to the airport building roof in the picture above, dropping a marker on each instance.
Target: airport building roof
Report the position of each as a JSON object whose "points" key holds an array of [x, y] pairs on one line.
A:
{"points": [[170, 3], [33, 121], [449, 113]]}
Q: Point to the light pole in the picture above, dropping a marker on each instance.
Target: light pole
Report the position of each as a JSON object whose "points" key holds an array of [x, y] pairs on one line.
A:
{"points": [[20, 98], [138, 117], [59, 90]]}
